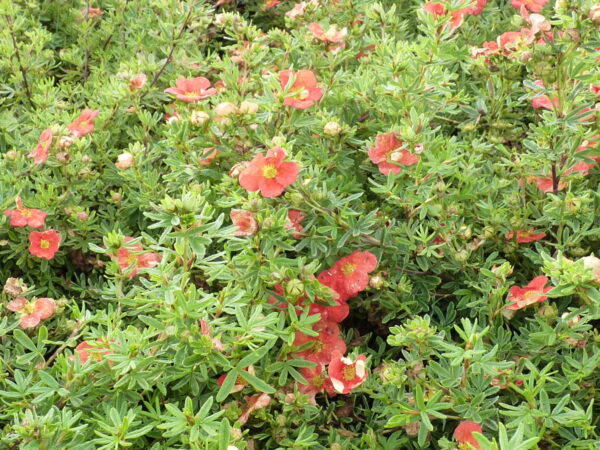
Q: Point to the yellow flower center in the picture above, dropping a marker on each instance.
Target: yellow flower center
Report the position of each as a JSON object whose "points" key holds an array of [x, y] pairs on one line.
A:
{"points": [[348, 268], [348, 373], [28, 308], [269, 171], [44, 243], [303, 94], [26, 212]]}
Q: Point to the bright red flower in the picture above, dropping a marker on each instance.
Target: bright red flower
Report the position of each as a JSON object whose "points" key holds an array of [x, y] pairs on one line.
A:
{"points": [[44, 244], [439, 9], [512, 41], [84, 124], [464, 433], [350, 275], [304, 92], [477, 8], [322, 346], [389, 156], [524, 236], [270, 175], [32, 313], [271, 3], [530, 294], [22, 217], [40, 152], [532, 5], [336, 313], [294, 222], [191, 90], [99, 348], [318, 381], [346, 374], [133, 255], [595, 88], [331, 35], [245, 221]]}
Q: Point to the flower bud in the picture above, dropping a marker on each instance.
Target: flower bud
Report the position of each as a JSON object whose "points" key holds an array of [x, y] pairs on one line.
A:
{"points": [[548, 311], [247, 107], [124, 161], [82, 216], [461, 256], [595, 13], [278, 141], [294, 288], [237, 169], [65, 142], [14, 287], [225, 109], [208, 156], [11, 154], [573, 321], [116, 197], [86, 159], [593, 263], [62, 157], [199, 118], [376, 281], [332, 128]]}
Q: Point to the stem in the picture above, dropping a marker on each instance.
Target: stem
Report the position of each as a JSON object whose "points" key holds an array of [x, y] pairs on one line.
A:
{"points": [[60, 349], [11, 30]]}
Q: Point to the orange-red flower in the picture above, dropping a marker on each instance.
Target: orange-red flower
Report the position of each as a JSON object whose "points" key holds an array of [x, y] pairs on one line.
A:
{"points": [[546, 184], [84, 124], [530, 294], [303, 93], [322, 346], [350, 275], [477, 8], [294, 222], [389, 155], [298, 10], [439, 9], [346, 374], [318, 381], [524, 236], [252, 404], [22, 217], [332, 35], [464, 433], [270, 175], [40, 152], [137, 82], [543, 101], [99, 348], [532, 5], [32, 313], [133, 256], [191, 90], [44, 244], [245, 222]]}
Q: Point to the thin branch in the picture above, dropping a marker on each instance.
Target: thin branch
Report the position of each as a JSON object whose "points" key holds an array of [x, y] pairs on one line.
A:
{"points": [[18, 56], [169, 56]]}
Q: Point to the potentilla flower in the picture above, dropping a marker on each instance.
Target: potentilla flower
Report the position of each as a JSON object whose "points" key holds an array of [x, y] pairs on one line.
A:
{"points": [[294, 222], [532, 5], [346, 374], [439, 9], [464, 433], [304, 92], [133, 255], [44, 244], [99, 348], [477, 8], [322, 346], [592, 263], [332, 35], [595, 88], [530, 294], [124, 161], [22, 217], [91, 13], [40, 152], [298, 10], [32, 313], [512, 41], [336, 313], [84, 124], [389, 156], [524, 236], [137, 82], [584, 167], [191, 90], [546, 184], [270, 175], [245, 221], [318, 381], [543, 101], [254, 403]]}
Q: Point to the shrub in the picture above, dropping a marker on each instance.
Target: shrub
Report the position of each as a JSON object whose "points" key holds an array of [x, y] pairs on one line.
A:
{"points": [[322, 224]]}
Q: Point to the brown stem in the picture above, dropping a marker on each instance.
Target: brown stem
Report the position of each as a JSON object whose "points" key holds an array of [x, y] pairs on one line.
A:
{"points": [[60, 349], [18, 56], [173, 45]]}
